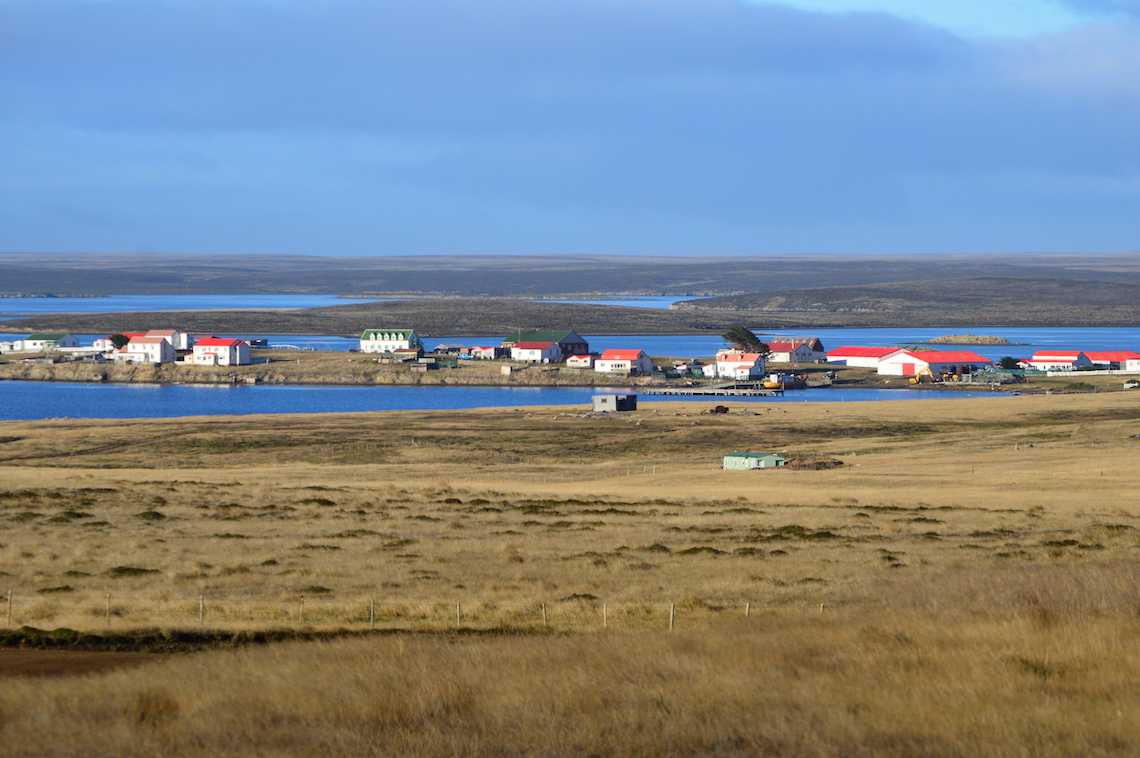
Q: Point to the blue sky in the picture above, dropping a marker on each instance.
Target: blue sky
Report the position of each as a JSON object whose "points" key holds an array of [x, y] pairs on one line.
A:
{"points": [[680, 127], [1003, 18]]}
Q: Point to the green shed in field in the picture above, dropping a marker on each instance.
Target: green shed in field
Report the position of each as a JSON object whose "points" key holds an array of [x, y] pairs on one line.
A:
{"points": [[741, 461]]}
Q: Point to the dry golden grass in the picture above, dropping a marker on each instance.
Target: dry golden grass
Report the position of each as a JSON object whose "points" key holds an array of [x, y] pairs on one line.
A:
{"points": [[966, 584], [882, 683]]}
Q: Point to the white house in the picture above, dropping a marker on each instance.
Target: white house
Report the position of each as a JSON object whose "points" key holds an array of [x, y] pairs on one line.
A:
{"points": [[734, 365], [178, 340], [623, 362], [745, 461], [866, 357], [389, 340], [1058, 360], [486, 353], [536, 352], [105, 343], [221, 351], [908, 363], [796, 351], [41, 341], [581, 361], [146, 350]]}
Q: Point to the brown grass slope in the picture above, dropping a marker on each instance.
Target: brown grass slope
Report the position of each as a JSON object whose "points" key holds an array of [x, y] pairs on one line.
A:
{"points": [[974, 292], [460, 317], [102, 274], [452, 317]]}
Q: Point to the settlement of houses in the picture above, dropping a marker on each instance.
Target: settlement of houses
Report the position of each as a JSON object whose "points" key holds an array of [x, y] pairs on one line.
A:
{"points": [[567, 347]]}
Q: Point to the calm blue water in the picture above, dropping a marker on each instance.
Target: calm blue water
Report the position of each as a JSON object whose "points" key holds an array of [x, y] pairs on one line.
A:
{"points": [[40, 400], [637, 302], [34, 306]]}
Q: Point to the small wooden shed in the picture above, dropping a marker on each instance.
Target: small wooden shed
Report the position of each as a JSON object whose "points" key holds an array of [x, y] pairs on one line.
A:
{"points": [[741, 461]]}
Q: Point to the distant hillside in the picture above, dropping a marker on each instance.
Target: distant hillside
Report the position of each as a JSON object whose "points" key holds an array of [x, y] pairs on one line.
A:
{"points": [[516, 276], [935, 294], [430, 318], [490, 318]]}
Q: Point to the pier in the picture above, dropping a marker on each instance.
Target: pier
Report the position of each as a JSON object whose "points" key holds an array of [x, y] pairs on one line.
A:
{"points": [[731, 389]]}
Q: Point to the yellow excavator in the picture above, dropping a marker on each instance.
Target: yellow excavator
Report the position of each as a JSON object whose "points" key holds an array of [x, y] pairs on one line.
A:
{"points": [[926, 375]]}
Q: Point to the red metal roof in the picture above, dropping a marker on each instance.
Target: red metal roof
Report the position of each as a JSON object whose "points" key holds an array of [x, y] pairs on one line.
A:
{"points": [[533, 345], [1111, 356], [1056, 355], [738, 357], [785, 347], [146, 340], [216, 342], [620, 355], [861, 352]]}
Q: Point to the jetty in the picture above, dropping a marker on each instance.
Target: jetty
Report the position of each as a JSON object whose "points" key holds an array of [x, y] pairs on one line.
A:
{"points": [[729, 389]]}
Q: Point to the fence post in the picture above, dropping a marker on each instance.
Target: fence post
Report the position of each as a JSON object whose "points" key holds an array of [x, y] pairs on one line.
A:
{"points": [[747, 609], [458, 614], [9, 607], [672, 613], [544, 615], [301, 610], [108, 616], [605, 616], [202, 609], [372, 613]]}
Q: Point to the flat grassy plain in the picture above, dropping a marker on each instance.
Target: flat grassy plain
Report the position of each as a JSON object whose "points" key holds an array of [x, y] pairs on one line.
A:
{"points": [[966, 583]]}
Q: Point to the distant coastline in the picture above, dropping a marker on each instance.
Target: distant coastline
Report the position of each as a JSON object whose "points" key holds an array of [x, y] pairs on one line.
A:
{"points": [[969, 339], [43, 295]]}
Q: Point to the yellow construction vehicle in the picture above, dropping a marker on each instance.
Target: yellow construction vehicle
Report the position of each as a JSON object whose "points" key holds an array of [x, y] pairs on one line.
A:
{"points": [[926, 375]]}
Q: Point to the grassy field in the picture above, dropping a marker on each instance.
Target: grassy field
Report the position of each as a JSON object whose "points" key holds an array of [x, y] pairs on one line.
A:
{"points": [[966, 582]]}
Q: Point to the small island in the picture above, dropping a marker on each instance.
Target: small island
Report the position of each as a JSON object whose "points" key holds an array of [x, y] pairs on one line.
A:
{"points": [[967, 339]]}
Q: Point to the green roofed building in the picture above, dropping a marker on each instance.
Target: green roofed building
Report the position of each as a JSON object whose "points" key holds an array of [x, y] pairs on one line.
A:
{"points": [[741, 461], [40, 341], [389, 340], [570, 342]]}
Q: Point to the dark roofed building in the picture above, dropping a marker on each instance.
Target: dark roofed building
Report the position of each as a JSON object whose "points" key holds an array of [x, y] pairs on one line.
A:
{"points": [[571, 343]]}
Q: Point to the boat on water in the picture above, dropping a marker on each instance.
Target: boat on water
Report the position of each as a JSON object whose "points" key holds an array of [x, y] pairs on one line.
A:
{"points": [[785, 381]]}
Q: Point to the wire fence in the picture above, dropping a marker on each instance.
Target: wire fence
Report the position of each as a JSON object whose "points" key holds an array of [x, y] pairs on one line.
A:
{"points": [[95, 613]]}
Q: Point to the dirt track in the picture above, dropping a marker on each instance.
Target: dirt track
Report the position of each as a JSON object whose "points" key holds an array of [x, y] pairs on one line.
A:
{"points": [[23, 663]]}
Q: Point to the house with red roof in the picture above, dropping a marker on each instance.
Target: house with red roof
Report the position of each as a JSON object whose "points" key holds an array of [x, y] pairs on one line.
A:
{"points": [[221, 351], [1111, 359], [146, 350], [1058, 360], [731, 364], [912, 363], [581, 361], [867, 357], [796, 351], [536, 352], [623, 362], [104, 343]]}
